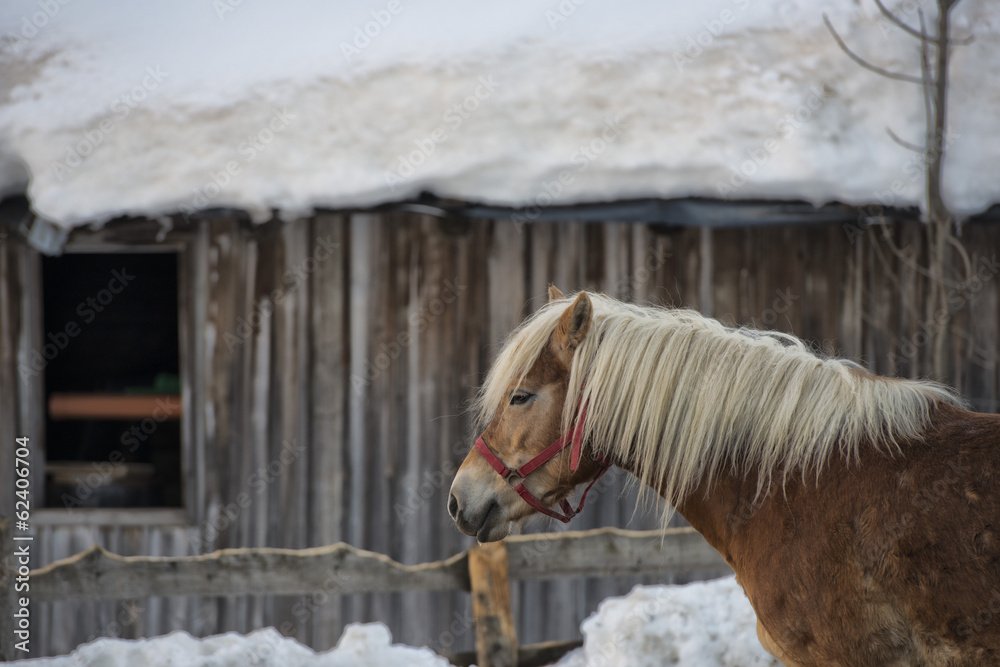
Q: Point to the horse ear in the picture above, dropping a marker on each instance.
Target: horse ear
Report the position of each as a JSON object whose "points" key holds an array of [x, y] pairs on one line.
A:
{"points": [[555, 293], [574, 324]]}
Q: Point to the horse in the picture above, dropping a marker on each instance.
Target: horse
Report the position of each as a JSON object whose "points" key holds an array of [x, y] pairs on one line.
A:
{"points": [[860, 513]]}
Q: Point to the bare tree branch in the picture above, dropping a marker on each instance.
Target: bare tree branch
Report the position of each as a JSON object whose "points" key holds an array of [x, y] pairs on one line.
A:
{"points": [[921, 35], [887, 266], [902, 142], [911, 262], [964, 254], [941, 242], [928, 88], [864, 63], [936, 147]]}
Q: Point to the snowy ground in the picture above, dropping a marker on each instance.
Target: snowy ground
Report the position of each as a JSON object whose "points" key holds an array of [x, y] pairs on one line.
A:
{"points": [[111, 107], [705, 624], [361, 646]]}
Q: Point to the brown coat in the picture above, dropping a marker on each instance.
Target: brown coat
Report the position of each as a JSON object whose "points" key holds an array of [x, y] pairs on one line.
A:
{"points": [[885, 561]]}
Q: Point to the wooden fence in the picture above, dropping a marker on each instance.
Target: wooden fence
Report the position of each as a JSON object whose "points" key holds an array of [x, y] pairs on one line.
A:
{"points": [[485, 571]]}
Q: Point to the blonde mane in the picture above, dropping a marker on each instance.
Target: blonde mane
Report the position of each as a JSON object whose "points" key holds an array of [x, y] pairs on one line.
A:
{"points": [[683, 396]]}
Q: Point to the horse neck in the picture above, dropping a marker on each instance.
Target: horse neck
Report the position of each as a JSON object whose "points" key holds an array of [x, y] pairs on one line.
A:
{"points": [[711, 509]]}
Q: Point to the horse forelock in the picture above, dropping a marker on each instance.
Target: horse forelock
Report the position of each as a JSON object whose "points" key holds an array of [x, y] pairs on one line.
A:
{"points": [[683, 397]]}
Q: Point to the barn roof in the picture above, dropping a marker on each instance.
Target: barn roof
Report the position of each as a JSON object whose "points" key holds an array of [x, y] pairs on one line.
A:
{"points": [[118, 108]]}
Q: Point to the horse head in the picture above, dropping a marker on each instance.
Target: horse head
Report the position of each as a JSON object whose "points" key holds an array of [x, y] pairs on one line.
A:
{"points": [[520, 465]]}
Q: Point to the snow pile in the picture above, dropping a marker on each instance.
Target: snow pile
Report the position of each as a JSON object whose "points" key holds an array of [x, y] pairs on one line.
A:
{"points": [[366, 645], [116, 107], [705, 624]]}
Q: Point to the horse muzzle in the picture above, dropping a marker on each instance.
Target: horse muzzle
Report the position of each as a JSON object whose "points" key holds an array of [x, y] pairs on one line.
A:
{"points": [[477, 514]]}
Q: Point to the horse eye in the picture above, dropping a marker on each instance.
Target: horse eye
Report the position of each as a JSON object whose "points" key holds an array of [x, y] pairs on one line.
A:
{"points": [[520, 398]]}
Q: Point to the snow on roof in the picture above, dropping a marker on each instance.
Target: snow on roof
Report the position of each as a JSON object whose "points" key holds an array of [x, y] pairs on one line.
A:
{"points": [[115, 107]]}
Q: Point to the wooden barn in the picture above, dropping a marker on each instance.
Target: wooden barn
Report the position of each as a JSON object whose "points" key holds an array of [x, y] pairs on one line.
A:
{"points": [[322, 366], [257, 322]]}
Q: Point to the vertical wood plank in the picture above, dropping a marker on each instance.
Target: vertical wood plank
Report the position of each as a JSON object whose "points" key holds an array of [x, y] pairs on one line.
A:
{"points": [[706, 267], [850, 329], [31, 387], [362, 290], [981, 328], [331, 383], [507, 286], [496, 640], [10, 390], [8, 597], [192, 278], [728, 265]]}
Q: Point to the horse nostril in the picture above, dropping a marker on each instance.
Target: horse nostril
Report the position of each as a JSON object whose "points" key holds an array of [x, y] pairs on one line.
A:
{"points": [[453, 506]]}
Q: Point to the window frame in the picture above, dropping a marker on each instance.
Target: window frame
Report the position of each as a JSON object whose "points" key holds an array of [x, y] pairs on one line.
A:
{"points": [[144, 237]]}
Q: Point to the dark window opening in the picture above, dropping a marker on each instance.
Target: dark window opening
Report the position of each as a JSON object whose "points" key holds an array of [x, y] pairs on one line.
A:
{"points": [[110, 351]]}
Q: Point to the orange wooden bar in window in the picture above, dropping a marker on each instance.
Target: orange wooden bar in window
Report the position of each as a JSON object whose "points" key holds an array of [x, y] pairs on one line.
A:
{"points": [[114, 406]]}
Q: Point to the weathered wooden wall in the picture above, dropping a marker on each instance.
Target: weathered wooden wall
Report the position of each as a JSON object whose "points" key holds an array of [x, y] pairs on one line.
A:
{"points": [[339, 415]]}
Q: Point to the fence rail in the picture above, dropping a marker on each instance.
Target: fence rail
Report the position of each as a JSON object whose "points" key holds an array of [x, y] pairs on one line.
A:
{"points": [[485, 571]]}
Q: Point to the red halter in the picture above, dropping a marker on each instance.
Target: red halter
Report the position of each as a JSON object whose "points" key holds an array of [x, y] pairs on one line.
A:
{"points": [[516, 477]]}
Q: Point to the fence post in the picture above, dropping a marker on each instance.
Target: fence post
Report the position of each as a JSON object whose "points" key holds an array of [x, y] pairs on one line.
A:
{"points": [[496, 638], [7, 572]]}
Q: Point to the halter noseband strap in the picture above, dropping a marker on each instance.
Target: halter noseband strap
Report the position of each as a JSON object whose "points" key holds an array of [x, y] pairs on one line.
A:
{"points": [[516, 477]]}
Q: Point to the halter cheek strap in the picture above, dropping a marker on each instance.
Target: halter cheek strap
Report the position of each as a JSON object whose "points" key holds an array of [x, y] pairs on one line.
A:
{"points": [[516, 476]]}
